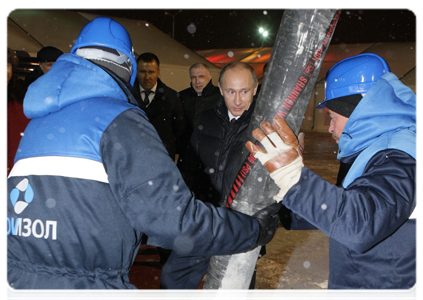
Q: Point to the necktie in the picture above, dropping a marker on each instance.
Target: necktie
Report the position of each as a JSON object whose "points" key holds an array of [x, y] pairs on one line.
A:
{"points": [[146, 99], [233, 120]]}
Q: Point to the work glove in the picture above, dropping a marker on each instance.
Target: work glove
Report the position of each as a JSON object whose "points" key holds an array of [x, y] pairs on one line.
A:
{"points": [[268, 219], [282, 155]]}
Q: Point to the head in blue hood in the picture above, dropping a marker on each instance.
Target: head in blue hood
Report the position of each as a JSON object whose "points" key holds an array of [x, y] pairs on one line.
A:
{"points": [[366, 100], [107, 43], [102, 62]]}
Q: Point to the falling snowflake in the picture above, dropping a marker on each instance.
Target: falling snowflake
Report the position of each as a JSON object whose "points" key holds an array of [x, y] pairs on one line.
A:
{"points": [[48, 100], [192, 28], [50, 203]]}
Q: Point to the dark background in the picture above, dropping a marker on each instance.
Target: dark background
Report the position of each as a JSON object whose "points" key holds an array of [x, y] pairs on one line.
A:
{"points": [[202, 29]]}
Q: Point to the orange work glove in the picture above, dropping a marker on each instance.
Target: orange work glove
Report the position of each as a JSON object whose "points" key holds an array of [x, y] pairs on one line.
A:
{"points": [[282, 155]]}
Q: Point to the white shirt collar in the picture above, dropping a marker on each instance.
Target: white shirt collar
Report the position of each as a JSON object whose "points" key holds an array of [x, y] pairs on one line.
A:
{"points": [[231, 116], [151, 96]]}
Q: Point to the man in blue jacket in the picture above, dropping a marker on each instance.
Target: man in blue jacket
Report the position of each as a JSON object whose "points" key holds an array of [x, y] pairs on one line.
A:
{"points": [[91, 176], [373, 120]]}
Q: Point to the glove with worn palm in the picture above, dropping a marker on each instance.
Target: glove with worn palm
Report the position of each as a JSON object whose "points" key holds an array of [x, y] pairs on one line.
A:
{"points": [[268, 219], [282, 155]]}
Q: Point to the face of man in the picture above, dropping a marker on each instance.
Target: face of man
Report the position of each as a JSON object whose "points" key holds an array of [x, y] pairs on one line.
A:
{"points": [[237, 89], [337, 124], [200, 77], [46, 66], [8, 69], [147, 74]]}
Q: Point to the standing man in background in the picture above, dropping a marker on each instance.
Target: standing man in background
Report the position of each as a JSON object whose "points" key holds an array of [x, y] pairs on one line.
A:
{"points": [[200, 96], [16, 120], [161, 103], [163, 108], [46, 57]]}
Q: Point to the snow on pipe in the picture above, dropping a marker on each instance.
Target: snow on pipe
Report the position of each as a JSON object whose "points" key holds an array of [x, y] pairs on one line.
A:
{"points": [[298, 53]]}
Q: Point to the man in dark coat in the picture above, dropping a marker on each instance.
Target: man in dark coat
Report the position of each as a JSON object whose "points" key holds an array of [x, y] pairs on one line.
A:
{"points": [[200, 96], [216, 143], [46, 57], [16, 120], [161, 103]]}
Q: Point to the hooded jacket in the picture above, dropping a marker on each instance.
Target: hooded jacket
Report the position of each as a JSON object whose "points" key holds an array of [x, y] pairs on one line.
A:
{"points": [[372, 238], [90, 177]]}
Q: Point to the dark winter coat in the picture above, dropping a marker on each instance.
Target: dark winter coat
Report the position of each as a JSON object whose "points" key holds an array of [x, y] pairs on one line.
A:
{"points": [[90, 177], [166, 114], [193, 105], [372, 237], [15, 120], [33, 75], [213, 159]]}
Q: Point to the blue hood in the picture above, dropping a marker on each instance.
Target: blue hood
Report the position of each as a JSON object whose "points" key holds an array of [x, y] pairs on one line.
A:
{"points": [[71, 79], [389, 105]]}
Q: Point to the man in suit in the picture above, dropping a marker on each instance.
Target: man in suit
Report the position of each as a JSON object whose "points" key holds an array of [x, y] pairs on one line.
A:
{"points": [[161, 103], [163, 108]]}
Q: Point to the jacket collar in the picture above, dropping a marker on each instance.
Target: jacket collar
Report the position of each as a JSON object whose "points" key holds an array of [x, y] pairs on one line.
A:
{"points": [[206, 91], [222, 111]]}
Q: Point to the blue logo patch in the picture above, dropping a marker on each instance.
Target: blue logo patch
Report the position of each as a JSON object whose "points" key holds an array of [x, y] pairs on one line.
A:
{"points": [[21, 187]]}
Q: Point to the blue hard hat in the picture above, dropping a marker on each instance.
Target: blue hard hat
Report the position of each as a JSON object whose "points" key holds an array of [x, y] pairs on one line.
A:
{"points": [[107, 33], [353, 75]]}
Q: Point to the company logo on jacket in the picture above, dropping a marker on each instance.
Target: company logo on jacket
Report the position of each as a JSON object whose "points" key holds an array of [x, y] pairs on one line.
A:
{"points": [[28, 195], [20, 197]]}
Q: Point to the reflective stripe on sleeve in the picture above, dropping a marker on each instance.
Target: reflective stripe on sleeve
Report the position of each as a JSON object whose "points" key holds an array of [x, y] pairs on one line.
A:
{"points": [[72, 167]]}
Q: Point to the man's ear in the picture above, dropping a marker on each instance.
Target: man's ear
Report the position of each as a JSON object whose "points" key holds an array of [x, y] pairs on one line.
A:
{"points": [[255, 90], [220, 88]]}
